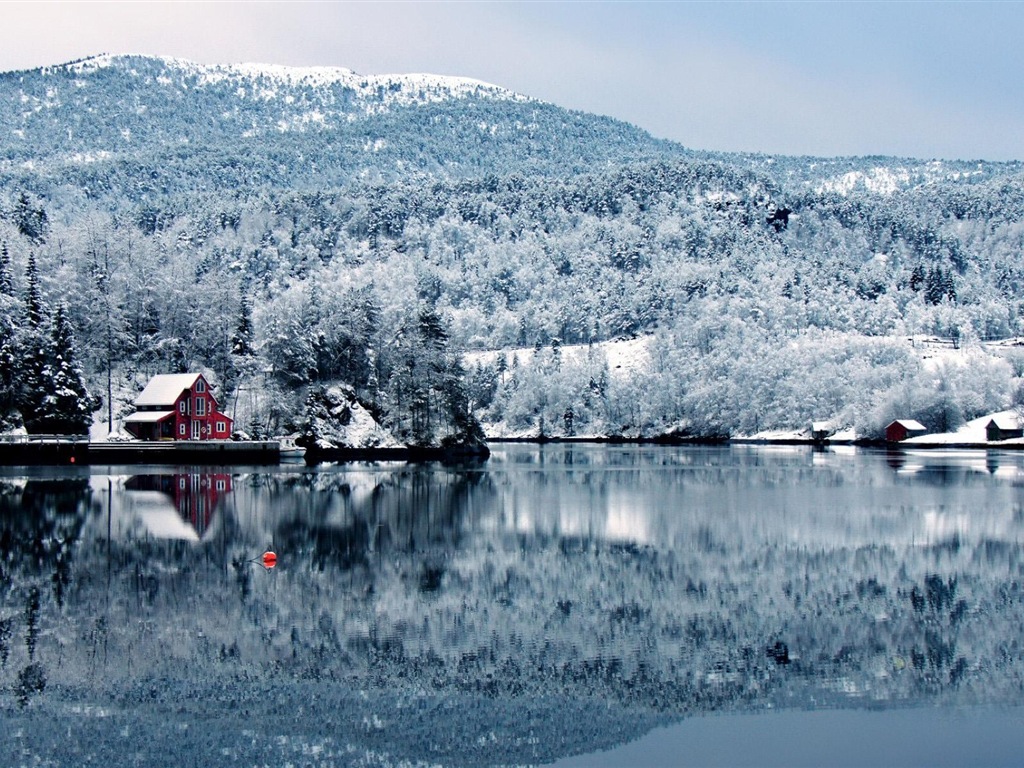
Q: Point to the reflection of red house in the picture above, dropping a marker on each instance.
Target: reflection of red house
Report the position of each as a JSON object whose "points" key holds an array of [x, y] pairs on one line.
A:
{"points": [[195, 496], [178, 406]]}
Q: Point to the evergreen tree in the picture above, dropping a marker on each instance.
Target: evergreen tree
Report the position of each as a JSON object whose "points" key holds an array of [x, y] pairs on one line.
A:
{"points": [[6, 277], [939, 286], [10, 357], [65, 407], [917, 277], [427, 386], [33, 296], [31, 221], [33, 383], [9, 375], [241, 340]]}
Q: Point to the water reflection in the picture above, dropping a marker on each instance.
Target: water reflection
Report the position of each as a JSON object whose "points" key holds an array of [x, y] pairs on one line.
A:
{"points": [[558, 599], [179, 506]]}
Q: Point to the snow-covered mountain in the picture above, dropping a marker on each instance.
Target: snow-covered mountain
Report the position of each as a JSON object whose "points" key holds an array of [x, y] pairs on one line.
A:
{"points": [[298, 97], [181, 73], [196, 125]]}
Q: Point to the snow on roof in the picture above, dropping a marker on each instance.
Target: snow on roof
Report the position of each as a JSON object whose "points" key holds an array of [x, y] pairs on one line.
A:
{"points": [[147, 417], [1005, 422], [165, 388], [911, 425]]}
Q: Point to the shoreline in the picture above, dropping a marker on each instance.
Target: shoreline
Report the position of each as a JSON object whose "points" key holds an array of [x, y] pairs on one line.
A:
{"points": [[1005, 445], [74, 452]]}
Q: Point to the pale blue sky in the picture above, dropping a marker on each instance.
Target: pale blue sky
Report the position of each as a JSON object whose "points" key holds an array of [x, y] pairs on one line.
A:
{"points": [[922, 79]]}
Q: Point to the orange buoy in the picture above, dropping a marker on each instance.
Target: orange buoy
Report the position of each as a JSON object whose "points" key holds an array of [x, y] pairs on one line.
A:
{"points": [[269, 559]]}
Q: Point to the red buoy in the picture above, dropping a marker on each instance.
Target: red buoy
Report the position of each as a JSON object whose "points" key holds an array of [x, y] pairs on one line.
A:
{"points": [[269, 559]]}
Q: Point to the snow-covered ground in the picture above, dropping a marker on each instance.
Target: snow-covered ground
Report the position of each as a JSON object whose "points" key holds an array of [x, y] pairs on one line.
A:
{"points": [[345, 423], [971, 433], [624, 356]]}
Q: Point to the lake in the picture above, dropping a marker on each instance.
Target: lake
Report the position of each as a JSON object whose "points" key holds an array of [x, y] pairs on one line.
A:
{"points": [[571, 604]]}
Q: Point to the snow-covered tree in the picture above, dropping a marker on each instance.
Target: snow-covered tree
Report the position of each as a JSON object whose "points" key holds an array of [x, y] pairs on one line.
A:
{"points": [[59, 402]]}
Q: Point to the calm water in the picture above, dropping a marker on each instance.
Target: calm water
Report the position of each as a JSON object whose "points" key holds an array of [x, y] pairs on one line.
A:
{"points": [[587, 604]]}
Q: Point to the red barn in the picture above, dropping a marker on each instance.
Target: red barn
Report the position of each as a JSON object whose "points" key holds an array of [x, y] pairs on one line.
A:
{"points": [[178, 406], [901, 429]]}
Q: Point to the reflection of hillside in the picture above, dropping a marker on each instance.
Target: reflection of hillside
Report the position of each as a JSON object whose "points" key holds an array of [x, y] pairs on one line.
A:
{"points": [[658, 581], [342, 518]]}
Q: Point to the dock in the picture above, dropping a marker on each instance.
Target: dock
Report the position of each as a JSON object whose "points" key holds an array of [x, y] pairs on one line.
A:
{"points": [[63, 450]]}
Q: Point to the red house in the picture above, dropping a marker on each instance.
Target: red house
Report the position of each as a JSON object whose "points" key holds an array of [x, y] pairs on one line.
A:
{"points": [[178, 406], [901, 429]]}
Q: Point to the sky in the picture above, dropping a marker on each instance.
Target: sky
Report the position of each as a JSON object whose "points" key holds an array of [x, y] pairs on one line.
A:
{"points": [[912, 79]]}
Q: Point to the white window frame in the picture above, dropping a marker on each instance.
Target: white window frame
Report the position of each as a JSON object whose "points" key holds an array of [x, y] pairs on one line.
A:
{"points": [[197, 429], [200, 385], [222, 427], [200, 406], [181, 429]]}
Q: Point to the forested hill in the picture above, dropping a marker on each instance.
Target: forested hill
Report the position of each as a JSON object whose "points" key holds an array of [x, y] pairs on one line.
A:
{"points": [[282, 229], [138, 127]]}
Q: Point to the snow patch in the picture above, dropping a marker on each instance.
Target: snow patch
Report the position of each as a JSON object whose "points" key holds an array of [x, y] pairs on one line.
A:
{"points": [[880, 180], [624, 356], [338, 420], [263, 82]]}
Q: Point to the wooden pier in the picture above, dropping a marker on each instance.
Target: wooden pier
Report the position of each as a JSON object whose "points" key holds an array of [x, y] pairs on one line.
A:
{"points": [[54, 450]]}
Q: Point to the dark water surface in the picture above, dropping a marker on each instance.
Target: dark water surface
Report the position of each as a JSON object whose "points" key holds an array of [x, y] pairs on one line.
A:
{"points": [[626, 605]]}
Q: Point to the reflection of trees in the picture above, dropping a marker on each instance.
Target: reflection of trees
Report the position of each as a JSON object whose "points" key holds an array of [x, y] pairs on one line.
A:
{"points": [[342, 547], [414, 509], [40, 524], [39, 527], [400, 581]]}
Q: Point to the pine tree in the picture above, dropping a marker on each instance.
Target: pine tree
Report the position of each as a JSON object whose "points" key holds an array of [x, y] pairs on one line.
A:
{"points": [[241, 340], [66, 406], [33, 296], [9, 375], [31, 221], [6, 278], [10, 359], [33, 382], [33, 352]]}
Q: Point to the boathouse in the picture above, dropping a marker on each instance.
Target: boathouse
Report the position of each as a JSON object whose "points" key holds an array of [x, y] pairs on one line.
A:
{"points": [[901, 429], [820, 430], [178, 406], [1003, 428]]}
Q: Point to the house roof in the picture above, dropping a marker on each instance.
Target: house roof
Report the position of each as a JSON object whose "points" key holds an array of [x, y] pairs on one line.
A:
{"points": [[911, 425], [1005, 423], [147, 417], [165, 389]]}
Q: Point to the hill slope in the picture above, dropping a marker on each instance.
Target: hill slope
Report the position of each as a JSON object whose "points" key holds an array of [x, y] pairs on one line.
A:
{"points": [[134, 127], [287, 228]]}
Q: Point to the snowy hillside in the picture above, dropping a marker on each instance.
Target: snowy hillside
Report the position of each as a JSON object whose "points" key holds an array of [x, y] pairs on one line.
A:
{"points": [[312, 225], [317, 95], [115, 121]]}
